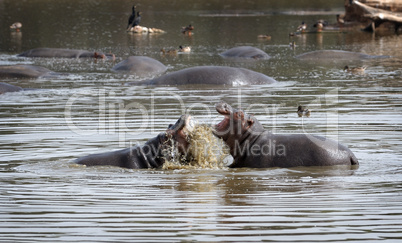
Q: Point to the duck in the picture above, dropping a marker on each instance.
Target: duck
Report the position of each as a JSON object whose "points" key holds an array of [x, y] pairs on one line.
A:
{"points": [[171, 52], [303, 111], [320, 24], [355, 69], [292, 44], [184, 49], [340, 19], [16, 26], [266, 37], [187, 30], [131, 18], [302, 27]]}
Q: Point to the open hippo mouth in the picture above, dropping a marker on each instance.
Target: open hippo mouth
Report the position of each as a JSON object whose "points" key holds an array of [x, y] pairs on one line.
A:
{"points": [[184, 125], [226, 110]]}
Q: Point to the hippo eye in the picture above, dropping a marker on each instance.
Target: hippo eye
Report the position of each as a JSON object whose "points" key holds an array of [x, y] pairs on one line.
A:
{"points": [[239, 115]]}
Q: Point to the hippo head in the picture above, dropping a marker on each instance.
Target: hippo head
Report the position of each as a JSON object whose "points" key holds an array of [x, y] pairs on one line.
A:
{"points": [[179, 133], [236, 125]]}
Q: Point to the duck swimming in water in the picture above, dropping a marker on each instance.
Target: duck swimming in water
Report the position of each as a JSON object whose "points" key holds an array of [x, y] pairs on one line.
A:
{"points": [[302, 27], [187, 30], [355, 70], [16, 26], [320, 24], [171, 52], [266, 37], [292, 44], [184, 49], [303, 111]]}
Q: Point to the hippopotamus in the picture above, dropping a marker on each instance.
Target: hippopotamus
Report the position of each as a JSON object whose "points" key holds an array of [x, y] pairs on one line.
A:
{"points": [[253, 146], [335, 55], [64, 53], [24, 71], [5, 87], [209, 75], [141, 66], [245, 52], [152, 154]]}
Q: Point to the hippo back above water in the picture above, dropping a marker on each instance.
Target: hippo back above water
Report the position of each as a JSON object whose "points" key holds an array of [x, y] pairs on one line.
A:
{"points": [[210, 75], [140, 66], [24, 71], [5, 87], [245, 52], [63, 53]]}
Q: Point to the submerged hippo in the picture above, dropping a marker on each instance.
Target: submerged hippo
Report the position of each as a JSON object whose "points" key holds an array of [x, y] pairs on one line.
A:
{"points": [[335, 55], [24, 71], [252, 146], [140, 66], [245, 52], [150, 155], [5, 87], [64, 53], [209, 75]]}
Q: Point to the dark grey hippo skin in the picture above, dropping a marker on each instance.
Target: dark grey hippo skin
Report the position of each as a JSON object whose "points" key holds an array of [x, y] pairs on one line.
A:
{"points": [[63, 53], [335, 55], [140, 66], [245, 52], [152, 154], [252, 146], [24, 71], [5, 87], [209, 75]]}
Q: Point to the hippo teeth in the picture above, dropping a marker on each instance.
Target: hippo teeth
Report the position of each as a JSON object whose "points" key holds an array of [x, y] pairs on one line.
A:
{"points": [[189, 125]]}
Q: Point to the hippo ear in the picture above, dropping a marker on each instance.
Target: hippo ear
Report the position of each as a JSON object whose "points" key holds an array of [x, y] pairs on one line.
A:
{"points": [[241, 114]]}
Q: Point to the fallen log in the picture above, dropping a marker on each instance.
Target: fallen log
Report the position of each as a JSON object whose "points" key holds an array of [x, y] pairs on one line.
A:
{"points": [[373, 13]]}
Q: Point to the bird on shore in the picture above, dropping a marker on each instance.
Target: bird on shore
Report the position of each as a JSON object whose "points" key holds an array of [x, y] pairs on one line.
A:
{"points": [[16, 26], [137, 20], [355, 70], [131, 18], [303, 111]]}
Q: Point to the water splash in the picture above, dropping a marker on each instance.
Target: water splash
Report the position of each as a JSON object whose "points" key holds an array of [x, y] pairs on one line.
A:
{"points": [[206, 151]]}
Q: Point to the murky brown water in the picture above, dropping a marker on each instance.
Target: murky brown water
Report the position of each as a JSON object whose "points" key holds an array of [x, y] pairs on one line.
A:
{"points": [[43, 197]]}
